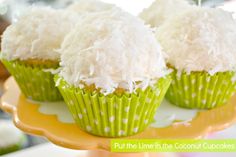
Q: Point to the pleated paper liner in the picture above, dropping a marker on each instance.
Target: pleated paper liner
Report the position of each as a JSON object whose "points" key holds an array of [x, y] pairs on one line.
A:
{"points": [[34, 82], [10, 149], [201, 90], [13, 147], [113, 115]]}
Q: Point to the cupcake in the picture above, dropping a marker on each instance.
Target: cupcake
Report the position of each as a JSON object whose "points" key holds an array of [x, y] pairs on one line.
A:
{"points": [[29, 50], [89, 6], [3, 25], [11, 138], [161, 10], [113, 76], [200, 47]]}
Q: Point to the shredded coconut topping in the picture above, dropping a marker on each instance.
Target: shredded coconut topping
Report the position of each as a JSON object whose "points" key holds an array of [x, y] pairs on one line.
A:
{"points": [[111, 49], [37, 34], [201, 39], [9, 135], [161, 10], [89, 6]]}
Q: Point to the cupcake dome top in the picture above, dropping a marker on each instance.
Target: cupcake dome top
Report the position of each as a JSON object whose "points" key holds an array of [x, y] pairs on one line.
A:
{"points": [[88, 6], [201, 39], [37, 34], [111, 49], [161, 10]]}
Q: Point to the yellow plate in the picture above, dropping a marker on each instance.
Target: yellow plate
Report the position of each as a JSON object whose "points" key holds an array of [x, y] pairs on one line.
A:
{"points": [[27, 117]]}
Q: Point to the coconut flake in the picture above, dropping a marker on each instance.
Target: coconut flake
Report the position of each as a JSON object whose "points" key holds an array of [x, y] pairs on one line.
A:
{"points": [[161, 10], [201, 39], [122, 50], [37, 34], [9, 135]]}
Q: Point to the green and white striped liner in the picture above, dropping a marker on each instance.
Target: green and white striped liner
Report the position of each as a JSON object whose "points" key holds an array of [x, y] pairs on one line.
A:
{"points": [[201, 90], [34, 82], [14, 147], [10, 149], [113, 115]]}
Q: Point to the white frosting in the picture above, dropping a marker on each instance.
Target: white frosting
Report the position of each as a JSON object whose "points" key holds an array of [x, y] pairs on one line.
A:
{"points": [[111, 49], [37, 34], [161, 10], [201, 39], [58, 108], [167, 114], [9, 135], [89, 6]]}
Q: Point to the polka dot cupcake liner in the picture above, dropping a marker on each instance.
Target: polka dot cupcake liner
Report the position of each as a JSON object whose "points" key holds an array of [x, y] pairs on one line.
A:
{"points": [[13, 147], [34, 82], [113, 115], [201, 90], [9, 149]]}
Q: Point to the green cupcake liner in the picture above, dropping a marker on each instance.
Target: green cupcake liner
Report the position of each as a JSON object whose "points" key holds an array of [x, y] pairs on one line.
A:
{"points": [[201, 90], [14, 147], [10, 149], [113, 115], [34, 82]]}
